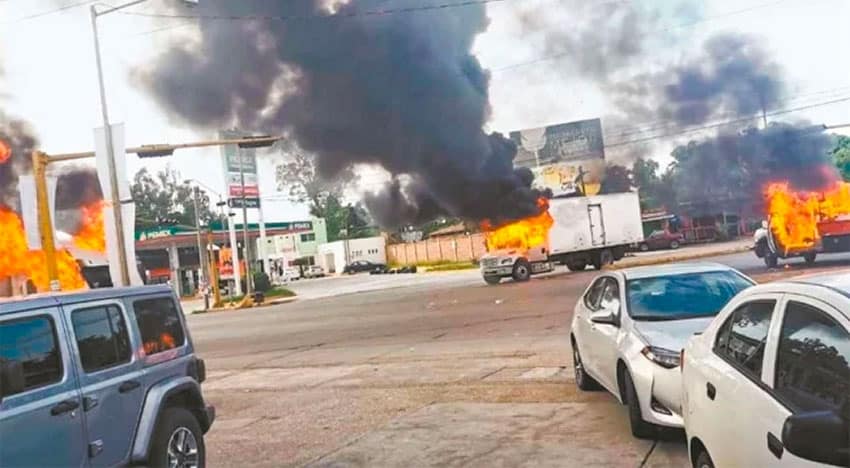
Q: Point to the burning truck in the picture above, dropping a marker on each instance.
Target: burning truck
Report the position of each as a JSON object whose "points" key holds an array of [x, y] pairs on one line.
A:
{"points": [[803, 224], [575, 231]]}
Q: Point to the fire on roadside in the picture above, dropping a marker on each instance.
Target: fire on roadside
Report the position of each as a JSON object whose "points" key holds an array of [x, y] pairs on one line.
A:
{"points": [[5, 152], [522, 234], [798, 218], [17, 260], [91, 235]]}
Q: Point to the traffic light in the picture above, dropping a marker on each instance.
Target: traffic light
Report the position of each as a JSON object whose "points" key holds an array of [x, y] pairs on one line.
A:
{"points": [[263, 141], [155, 151]]}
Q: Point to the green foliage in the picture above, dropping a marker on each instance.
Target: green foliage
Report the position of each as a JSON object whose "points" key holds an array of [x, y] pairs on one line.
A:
{"points": [[618, 179], [657, 190], [841, 156], [262, 282], [164, 199]]}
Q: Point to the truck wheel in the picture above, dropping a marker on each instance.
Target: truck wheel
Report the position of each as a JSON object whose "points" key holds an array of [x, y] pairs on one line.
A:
{"points": [[522, 270], [602, 259], [771, 260], [492, 279], [178, 440], [810, 258], [577, 265]]}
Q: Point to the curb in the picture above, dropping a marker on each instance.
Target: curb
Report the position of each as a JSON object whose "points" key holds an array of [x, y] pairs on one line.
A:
{"points": [[268, 303], [664, 259]]}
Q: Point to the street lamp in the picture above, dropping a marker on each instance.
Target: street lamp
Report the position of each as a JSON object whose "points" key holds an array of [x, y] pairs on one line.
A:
{"points": [[110, 151]]}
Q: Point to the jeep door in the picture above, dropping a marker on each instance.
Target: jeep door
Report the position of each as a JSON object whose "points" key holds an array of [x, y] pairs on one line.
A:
{"points": [[41, 420]]}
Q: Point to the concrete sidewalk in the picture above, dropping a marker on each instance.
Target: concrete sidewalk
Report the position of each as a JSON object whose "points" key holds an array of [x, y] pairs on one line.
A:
{"points": [[690, 252]]}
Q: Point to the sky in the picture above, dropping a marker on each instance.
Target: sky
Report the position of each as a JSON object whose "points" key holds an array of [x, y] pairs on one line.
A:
{"points": [[49, 74]]}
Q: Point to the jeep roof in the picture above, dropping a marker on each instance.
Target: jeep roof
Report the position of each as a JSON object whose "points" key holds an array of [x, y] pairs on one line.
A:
{"points": [[18, 304]]}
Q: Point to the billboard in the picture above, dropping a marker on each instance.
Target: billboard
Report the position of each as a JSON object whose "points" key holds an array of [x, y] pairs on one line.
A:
{"points": [[238, 162], [565, 158]]}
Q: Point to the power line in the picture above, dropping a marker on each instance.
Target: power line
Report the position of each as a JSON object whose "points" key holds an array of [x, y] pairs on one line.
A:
{"points": [[354, 14], [49, 12]]}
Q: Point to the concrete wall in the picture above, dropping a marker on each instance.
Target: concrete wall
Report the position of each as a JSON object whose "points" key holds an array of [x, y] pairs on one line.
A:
{"points": [[458, 248]]}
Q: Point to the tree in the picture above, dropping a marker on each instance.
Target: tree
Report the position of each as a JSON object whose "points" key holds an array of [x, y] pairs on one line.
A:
{"points": [[299, 178], [163, 199], [657, 190], [841, 156]]}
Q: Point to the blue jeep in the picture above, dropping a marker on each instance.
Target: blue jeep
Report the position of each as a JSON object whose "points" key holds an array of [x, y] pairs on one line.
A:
{"points": [[100, 378]]}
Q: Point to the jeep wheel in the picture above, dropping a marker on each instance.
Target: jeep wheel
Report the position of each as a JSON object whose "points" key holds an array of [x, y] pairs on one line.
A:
{"points": [[178, 441], [522, 270]]}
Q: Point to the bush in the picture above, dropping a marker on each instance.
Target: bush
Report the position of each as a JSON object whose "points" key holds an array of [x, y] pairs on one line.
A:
{"points": [[262, 282]]}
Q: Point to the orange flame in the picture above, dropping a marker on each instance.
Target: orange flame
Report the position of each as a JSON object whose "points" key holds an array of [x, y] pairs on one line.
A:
{"points": [[522, 234], [797, 217], [5, 152], [92, 236], [16, 259]]}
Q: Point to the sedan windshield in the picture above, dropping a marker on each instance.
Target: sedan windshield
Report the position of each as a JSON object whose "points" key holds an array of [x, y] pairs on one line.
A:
{"points": [[683, 296]]}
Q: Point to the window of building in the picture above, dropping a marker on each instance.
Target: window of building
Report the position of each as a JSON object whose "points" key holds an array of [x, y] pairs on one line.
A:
{"points": [[813, 360], [159, 324], [743, 337], [102, 338], [308, 237], [32, 343]]}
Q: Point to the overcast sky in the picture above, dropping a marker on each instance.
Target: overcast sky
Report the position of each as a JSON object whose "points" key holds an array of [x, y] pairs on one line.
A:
{"points": [[50, 76]]}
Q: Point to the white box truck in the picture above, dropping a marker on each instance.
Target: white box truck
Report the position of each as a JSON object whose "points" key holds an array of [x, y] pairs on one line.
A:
{"points": [[594, 230]]}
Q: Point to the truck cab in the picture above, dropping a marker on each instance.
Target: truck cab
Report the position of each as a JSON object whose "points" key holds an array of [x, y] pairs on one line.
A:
{"points": [[515, 263]]}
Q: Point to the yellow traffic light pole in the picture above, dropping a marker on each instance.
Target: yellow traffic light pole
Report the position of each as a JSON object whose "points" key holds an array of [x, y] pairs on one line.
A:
{"points": [[45, 225], [40, 161]]}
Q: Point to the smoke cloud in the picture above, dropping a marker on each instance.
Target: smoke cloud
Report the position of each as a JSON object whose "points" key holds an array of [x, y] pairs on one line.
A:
{"points": [[400, 90], [20, 137]]}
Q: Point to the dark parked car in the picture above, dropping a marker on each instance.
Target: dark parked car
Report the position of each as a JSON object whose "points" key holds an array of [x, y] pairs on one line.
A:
{"points": [[662, 240], [107, 377], [360, 266]]}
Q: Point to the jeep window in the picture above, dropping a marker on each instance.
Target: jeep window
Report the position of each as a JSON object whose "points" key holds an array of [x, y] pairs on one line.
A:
{"points": [[159, 324], [32, 342], [102, 338]]}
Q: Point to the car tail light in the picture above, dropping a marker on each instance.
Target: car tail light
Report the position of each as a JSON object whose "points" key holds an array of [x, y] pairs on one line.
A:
{"points": [[197, 369]]}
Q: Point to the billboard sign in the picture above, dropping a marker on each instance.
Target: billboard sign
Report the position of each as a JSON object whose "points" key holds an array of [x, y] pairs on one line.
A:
{"points": [[570, 178], [239, 162], [250, 202], [574, 141]]}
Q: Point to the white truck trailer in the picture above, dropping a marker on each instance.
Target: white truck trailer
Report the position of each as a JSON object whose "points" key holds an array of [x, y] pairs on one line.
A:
{"points": [[594, 230]]}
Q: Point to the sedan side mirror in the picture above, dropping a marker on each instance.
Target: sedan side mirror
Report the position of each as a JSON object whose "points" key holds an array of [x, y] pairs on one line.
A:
{"points": [[605, 317], [820, 436], [11, 378]]}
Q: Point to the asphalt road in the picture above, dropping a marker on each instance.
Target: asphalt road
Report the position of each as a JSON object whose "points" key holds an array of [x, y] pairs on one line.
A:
{"points": [[434, 370]]}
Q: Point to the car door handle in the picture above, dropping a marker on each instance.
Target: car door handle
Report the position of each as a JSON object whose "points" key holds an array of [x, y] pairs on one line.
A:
{"points": [[128, 386], [64, 407], [89, 403], [710, 391], [775, 445]]}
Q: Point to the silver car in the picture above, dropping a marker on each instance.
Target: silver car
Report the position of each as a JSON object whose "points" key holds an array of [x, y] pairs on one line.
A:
{"points": [[630, 326]]}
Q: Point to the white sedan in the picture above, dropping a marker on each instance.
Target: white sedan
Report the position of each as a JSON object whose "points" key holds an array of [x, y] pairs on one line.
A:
{"points": [[630, 325], [768, 383]]}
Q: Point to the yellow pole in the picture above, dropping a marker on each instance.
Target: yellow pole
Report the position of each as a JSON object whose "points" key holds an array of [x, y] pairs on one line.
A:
{"points": [[45, 226], [214, 278]]}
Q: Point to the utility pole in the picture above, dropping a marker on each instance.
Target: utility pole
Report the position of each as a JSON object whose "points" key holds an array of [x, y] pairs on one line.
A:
{"points": [[244, 223], [202, 274]]}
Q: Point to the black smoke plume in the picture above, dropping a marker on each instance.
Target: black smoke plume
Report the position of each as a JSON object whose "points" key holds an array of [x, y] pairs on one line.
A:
{"points": [[20, 137], [399, 90]]}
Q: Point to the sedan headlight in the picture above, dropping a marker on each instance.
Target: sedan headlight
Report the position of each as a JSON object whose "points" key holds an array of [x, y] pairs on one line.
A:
{"points": [[663, 357], [506, 261]]}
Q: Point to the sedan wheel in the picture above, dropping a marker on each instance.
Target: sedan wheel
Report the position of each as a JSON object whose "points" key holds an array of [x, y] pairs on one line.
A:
{"points": [[583, 380], [640, 428], [703, 460]]}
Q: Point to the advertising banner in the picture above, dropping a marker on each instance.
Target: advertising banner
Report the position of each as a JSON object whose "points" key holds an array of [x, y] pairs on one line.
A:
{"points": [[233, 158], [570, 178]]}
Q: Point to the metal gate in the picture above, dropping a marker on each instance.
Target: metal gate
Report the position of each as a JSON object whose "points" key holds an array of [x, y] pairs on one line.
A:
{"points": [[597, 225]]}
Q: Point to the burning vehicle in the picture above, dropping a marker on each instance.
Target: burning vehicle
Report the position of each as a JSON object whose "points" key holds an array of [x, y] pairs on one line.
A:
{"points": [[804, 223], [576, 232]]}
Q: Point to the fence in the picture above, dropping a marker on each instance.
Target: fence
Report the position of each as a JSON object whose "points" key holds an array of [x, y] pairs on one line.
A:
{"points": [[459, 248]]}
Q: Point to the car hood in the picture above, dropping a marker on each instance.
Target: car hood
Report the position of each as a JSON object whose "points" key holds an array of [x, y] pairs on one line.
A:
{"points": [[672, 334]]}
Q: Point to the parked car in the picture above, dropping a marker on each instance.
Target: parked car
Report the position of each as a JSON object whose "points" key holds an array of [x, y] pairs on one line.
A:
{"points": [[101, 378], [314, 271], [768, 382], [360, 266], [630, 326], [660, 239], [291, 274]]}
